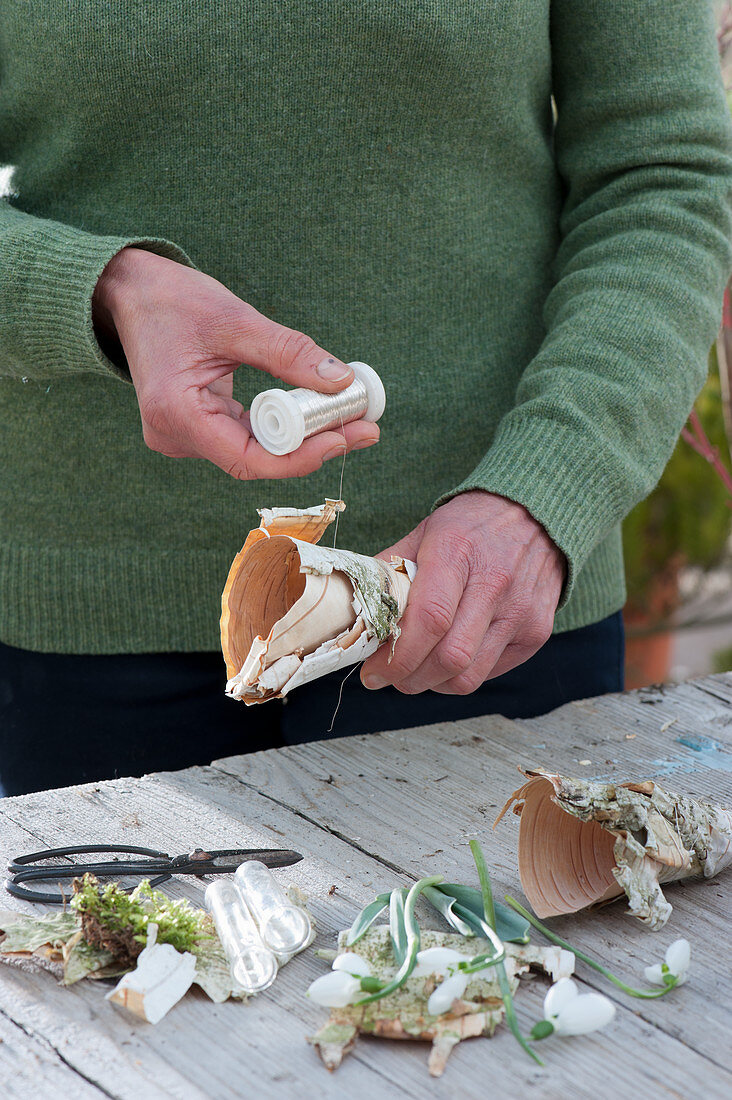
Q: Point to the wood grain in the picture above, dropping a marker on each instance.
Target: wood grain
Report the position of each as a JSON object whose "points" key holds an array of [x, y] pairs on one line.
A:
{"points": [[369, 813]]}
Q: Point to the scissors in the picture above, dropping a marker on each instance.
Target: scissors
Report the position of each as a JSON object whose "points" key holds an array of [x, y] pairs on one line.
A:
{"points": [[199, 862]]}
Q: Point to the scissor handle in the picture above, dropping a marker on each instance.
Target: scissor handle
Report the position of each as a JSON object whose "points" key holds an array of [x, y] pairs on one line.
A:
{"points": [[79, 849], [199, 862]]}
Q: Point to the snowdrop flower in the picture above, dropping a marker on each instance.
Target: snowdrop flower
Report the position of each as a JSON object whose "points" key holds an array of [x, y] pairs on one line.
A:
{"points": [[673, 970], [437, 960], [345, 983], [451, 989], [352, 964], [335, 990], [570, 1012]]}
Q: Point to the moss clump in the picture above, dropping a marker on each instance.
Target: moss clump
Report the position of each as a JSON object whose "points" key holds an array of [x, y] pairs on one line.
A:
{"points": [[117, 922]]}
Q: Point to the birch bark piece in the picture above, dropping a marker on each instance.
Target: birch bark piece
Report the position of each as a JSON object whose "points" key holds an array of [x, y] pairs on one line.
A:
{"points": [[162, 976], [584, 842], [404, 1014], [293, 611]]}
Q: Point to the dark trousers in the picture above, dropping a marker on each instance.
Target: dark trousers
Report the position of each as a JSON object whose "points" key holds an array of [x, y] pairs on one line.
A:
{"points": [[68, 719]]}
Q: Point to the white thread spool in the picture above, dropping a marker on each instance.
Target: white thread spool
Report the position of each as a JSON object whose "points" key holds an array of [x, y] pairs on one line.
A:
{"points": [[282, 419]]}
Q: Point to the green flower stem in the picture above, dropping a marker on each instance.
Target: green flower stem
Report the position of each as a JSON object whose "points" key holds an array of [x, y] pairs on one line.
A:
{"points": [[485, 883], [503, 982], [481, 962], [413, 942], [397, 929], [643, 993], [511, 1015]]}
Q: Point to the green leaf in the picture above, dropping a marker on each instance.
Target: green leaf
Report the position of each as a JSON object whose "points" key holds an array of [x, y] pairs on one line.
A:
{"points": [[366, 918], [446, 904], [462, 907], [542, 1030], [397, 927]]}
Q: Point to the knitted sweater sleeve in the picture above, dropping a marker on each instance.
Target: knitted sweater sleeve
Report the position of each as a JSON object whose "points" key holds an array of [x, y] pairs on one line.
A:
{"points": [[48, 272], [642, 146]]}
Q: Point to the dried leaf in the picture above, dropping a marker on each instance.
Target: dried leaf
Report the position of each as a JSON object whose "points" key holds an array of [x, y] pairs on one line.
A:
{"points": [[29, 933]]}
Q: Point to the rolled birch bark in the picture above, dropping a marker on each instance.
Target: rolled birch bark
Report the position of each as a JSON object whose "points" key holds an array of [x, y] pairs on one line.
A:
{"points": [[583, 842], [293, 611]]}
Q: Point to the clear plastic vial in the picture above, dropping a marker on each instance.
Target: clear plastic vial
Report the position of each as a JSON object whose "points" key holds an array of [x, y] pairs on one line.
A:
{"points": [[253, 966], [284, 927]]}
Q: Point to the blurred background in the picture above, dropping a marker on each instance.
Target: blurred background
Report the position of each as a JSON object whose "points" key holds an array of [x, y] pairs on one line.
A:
{"points": [[678, 542]]}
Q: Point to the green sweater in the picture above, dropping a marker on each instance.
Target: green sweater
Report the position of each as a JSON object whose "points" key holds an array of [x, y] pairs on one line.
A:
{"points": [[538, 298]]}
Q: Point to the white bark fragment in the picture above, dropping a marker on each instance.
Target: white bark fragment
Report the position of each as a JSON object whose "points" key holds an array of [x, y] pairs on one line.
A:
{"points": [[162, 976]]}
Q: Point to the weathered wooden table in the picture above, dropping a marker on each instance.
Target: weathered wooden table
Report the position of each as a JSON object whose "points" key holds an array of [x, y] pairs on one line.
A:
{"points": [[369, 813]]}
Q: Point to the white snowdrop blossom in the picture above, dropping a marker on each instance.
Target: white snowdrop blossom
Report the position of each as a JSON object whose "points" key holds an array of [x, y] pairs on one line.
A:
{"points": [[353, 964], [674, 968], [451, 989], [573, 1013], [437, 960], [335, 990]]}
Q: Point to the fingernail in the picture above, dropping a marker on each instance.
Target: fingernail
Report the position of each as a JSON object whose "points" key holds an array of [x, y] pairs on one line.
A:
{"points": [[363, 443], [337, 452], [373, 682], [332, 371]]}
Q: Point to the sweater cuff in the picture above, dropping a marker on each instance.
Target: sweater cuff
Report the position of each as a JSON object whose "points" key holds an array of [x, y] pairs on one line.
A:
{"points": [[56, 268], [537, 464]]}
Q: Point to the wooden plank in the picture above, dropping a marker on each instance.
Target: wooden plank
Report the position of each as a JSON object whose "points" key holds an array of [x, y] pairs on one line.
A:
{"points": [[187, 797], [507, 1066], [367, 813], [215, 1046], [264, 1040], [719, 685], [681, 729], [30, 1068], [412, 798]]}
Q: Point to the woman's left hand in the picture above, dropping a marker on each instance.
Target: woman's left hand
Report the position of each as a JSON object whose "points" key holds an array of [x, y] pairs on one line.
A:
{"points": [[488, 583]]}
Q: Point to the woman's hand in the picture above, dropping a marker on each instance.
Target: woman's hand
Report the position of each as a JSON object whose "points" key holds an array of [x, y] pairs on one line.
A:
{"points": [[488, 583], [184, 335]]}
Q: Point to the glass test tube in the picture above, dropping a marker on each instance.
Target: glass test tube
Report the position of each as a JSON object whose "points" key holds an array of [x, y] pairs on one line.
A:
{"points": [[252, 964], [284, 927]]}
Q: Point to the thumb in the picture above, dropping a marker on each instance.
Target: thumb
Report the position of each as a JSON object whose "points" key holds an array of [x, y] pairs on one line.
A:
{"points": [[247, 336]]}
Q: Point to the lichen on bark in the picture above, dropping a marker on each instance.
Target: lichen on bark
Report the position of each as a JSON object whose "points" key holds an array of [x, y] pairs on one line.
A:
{"points": [[403, 1014]]}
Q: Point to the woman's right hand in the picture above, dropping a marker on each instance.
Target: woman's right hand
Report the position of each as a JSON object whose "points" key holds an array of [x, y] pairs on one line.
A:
{"points": [[184, 335]]}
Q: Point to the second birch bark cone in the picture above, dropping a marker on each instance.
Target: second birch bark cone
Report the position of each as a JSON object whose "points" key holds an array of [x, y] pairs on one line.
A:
{"points": [[293, 611], [584, 842]]}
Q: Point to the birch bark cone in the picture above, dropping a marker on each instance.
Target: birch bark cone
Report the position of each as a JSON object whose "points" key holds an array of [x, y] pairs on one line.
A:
{"points": [[293, 611], [583, 842]]}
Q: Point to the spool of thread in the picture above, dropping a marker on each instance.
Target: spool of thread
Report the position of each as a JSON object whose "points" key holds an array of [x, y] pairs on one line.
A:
{"points": [[282, 419]]}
